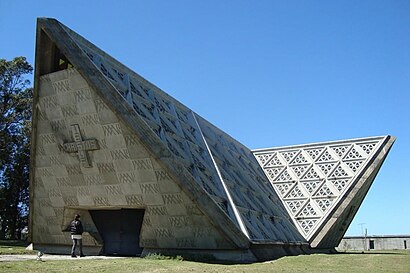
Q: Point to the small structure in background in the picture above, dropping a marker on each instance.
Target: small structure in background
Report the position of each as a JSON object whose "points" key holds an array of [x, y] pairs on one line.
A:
{"points": [[374, 242]]}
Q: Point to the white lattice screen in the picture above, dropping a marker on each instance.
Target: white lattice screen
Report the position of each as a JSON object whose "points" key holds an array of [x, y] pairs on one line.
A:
{"points": [[312, 179]]}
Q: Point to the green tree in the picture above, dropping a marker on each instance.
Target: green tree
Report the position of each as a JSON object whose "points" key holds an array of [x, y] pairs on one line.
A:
{"points": [[15, 126]]}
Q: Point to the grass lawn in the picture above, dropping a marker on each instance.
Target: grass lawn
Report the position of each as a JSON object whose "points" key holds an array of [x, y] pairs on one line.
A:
{"points": [[387, 261], [14, 247]]}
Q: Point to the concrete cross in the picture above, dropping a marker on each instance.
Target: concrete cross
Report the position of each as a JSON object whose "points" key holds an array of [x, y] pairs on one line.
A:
{"points": [[80, 146]]}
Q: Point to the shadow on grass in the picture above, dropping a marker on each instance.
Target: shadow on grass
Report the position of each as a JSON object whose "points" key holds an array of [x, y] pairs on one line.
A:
{"points": [[393, 252], [14, 243], [198, 258]]}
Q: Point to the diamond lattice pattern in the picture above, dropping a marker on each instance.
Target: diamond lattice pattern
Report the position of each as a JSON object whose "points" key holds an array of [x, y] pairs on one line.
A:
{"points": [[312, 179]]}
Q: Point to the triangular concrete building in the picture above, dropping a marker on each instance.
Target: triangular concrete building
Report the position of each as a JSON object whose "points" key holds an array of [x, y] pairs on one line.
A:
{"points": [[148, 174]]}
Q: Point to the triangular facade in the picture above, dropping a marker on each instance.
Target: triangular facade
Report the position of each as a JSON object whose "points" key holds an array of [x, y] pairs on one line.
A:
{"points": [[313, 180], [106, 139]]}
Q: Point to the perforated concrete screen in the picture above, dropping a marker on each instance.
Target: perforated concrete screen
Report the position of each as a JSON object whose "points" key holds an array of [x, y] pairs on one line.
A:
{"points": [[104, 138], [313, 179]]}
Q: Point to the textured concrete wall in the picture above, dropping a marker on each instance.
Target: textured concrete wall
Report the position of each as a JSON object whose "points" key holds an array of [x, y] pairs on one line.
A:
{"points": [[380, 243], [122, 173], [220, 165]]}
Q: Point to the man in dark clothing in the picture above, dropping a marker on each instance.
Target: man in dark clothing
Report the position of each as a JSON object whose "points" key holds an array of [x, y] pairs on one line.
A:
{"points": [[76, 229]]}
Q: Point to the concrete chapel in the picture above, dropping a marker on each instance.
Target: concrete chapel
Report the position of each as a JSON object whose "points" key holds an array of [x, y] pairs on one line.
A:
{"points": [[148, 174]]}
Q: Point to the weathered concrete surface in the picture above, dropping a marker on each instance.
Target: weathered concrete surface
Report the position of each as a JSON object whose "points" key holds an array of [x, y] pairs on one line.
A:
{"points": [[122, 174]]}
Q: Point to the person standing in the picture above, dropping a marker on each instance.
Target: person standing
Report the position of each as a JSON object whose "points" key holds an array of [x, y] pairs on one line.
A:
{"points": [[76, 229]]}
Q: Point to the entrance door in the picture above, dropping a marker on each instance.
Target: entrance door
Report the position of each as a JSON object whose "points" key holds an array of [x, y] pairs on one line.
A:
{"points": [[120, 230]]}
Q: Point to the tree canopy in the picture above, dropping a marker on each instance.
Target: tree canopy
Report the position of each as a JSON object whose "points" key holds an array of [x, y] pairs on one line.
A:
{"points": [[15, 126]]}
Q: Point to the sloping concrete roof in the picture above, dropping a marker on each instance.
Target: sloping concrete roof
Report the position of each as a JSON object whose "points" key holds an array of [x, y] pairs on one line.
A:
{"points": [[217, 172]]}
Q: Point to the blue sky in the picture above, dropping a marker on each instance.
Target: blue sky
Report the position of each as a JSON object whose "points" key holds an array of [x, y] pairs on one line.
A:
{"points": [[269, 73]]}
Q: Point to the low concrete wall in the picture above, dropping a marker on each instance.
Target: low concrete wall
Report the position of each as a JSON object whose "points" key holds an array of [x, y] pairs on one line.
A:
{"points": [[374, 243]]}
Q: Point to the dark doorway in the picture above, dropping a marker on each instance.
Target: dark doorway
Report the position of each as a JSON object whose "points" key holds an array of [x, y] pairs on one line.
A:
{"points": [[405, 244], [371, 244], [120, 230]]}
